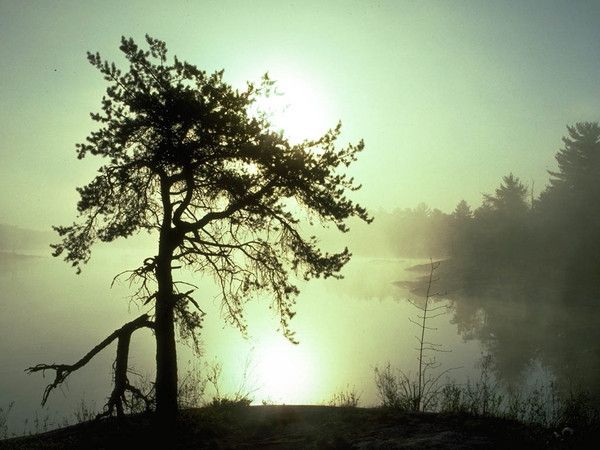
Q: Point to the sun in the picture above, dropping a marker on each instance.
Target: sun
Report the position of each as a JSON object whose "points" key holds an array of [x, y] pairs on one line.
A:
{"points": [[285, 371], [298, 108]]}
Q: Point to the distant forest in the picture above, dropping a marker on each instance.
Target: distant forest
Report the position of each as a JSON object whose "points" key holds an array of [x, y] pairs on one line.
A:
{"points": [[15, 239], [512, 234], [522, 272]]}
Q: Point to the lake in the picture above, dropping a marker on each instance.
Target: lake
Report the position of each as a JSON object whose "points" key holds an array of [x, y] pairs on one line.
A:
{"points": [[346, 328]]}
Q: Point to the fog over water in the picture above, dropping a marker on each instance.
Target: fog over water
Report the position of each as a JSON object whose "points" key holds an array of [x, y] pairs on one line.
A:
{"points": [[481, 151], [345, 327]]}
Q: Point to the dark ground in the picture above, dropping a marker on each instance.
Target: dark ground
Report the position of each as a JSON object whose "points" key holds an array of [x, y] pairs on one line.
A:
{"points": [[298, 427]]}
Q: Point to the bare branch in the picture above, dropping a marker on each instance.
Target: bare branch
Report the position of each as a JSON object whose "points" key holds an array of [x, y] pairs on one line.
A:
{"points": [[64, 370]]}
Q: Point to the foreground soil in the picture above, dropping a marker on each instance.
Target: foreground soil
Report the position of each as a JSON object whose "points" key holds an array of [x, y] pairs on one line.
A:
{"points": [[312, 427]]}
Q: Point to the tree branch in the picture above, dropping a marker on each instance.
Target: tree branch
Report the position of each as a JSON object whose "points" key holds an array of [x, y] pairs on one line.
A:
{"points": [[187, 227], [123, 334]]}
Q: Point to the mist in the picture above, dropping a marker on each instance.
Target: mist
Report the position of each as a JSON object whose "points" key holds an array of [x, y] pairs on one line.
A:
{"points": [[517, 273], [472, 159]]}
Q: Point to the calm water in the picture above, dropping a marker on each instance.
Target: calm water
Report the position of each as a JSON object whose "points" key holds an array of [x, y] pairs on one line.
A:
{"points": [[345, 328]]}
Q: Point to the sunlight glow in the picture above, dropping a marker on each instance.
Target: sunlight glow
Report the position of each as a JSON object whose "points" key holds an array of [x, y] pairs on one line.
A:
{"points": [[297, 108], [285, 371]]}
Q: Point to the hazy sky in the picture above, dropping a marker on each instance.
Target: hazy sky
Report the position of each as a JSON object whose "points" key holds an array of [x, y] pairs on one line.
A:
{"points": [[448, 95]]}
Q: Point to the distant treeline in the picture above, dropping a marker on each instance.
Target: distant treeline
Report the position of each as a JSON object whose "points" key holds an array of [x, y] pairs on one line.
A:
{"points": [[15, 239], [523, 271], [514, 234]]}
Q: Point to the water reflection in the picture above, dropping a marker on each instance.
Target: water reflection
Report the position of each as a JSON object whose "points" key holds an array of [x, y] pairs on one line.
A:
{"points": [[345, 327], [522, 322]]}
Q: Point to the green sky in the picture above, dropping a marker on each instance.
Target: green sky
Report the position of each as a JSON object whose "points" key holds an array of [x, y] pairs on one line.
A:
{"points": [[448, 95]]}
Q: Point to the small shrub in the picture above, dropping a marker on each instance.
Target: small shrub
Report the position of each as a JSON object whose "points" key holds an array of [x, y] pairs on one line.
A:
{"points": [[84, 412], [39, 424], [515, 408], [191, 388], [577, 409], [397, 392], [347, 398], [483, 397], [536, 407], [451, 398], [4, 413], [230, 402], [241, 397]]}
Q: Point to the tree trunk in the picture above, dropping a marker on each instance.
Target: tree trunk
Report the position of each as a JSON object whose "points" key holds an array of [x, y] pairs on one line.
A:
{"points": [[166, 352]]}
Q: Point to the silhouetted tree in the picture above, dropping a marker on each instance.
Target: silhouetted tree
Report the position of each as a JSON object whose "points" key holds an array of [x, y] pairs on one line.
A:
{"points": [[569, 208], [524, 280], [186, 158], [459, 229], [403, 391], [494, 233], [510, 197], [578, 161], [427, 384], [575, 187], [462, 213]]}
